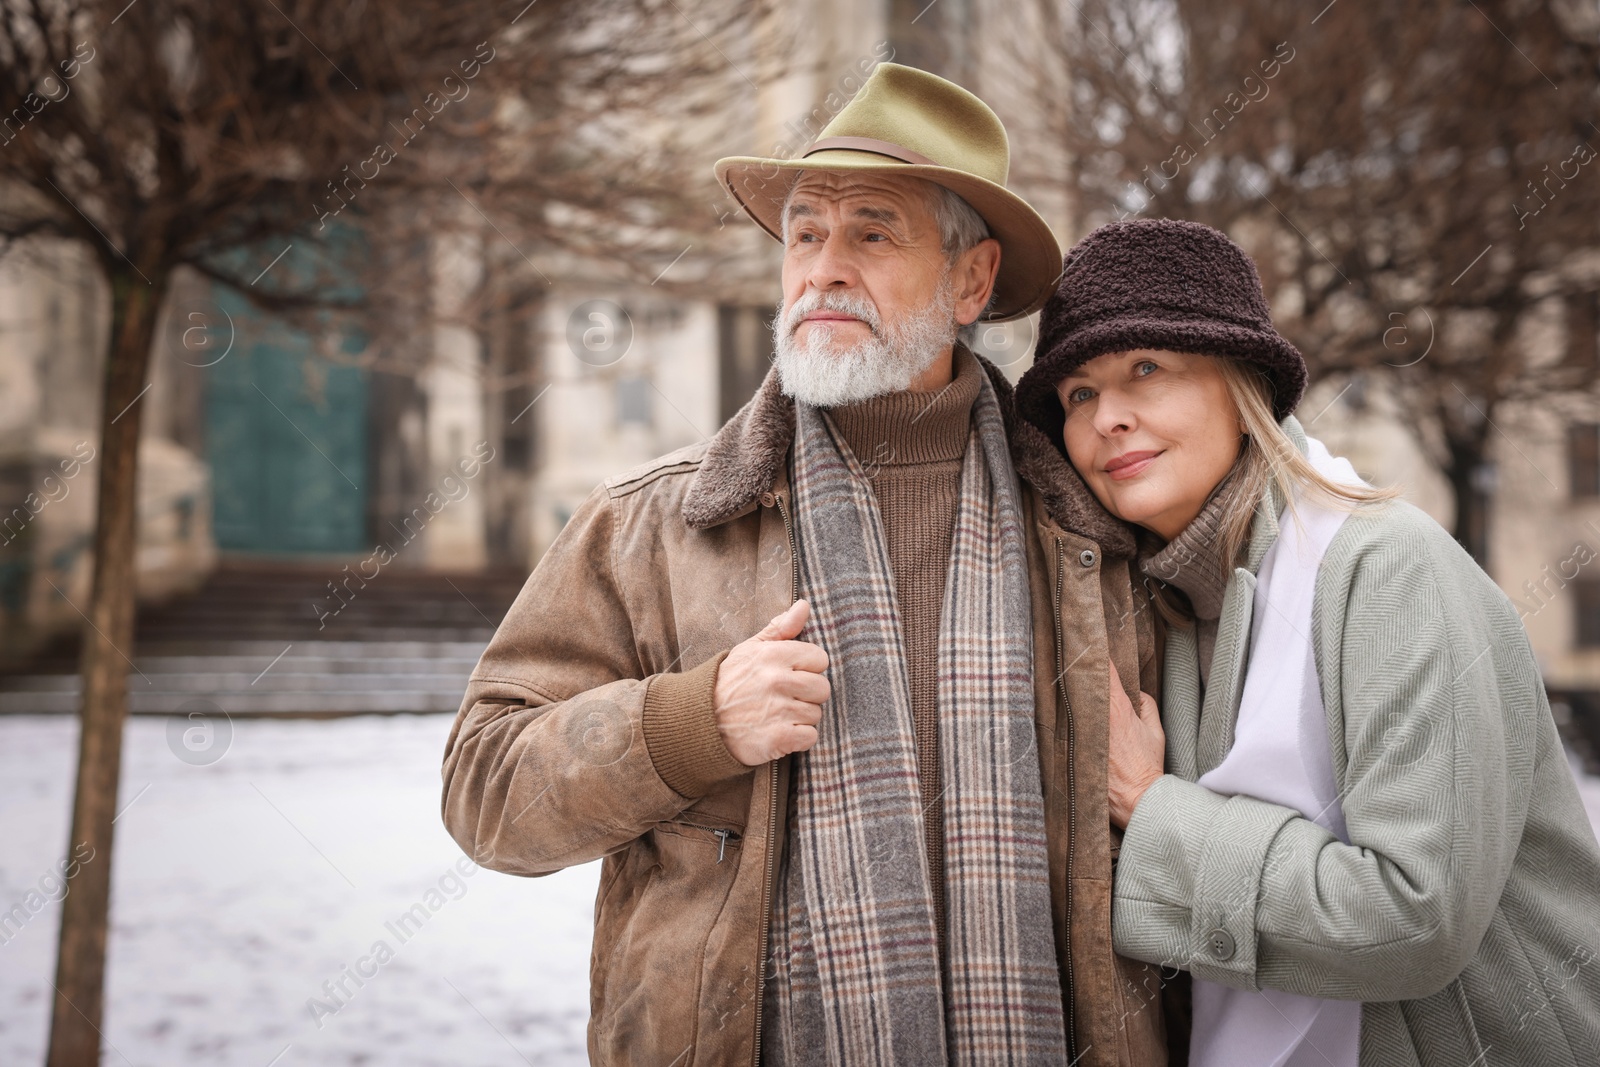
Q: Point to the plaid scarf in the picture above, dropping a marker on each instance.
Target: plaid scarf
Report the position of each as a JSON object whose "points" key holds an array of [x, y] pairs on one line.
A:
{"points": [[855, 973]]}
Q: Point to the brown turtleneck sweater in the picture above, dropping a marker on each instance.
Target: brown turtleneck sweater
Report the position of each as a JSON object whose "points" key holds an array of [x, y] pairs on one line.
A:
{"points": [[911, 446], [1193, 562]]}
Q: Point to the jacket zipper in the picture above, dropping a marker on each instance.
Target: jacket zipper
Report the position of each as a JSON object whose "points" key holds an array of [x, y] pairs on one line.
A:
{"points": [[722, 834], [772, 816], [1072, 796], [794, 554]]}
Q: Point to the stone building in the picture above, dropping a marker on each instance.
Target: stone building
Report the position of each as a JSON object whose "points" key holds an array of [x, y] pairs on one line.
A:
{"points": [[257, 447]]}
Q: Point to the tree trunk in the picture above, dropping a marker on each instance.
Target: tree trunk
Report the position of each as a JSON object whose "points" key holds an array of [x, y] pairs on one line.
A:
{"points": [[107, 649], [1469, 474]]}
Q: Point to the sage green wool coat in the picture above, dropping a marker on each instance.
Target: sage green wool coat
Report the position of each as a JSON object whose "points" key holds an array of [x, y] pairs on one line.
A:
{"points": [[1465, 911]]}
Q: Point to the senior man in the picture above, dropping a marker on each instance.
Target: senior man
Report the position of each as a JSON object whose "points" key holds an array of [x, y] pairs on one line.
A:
{"points": [[829, 692]]}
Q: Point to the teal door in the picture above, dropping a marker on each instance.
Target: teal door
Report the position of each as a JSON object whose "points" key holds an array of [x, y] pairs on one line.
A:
{"points": [[286, 439]]}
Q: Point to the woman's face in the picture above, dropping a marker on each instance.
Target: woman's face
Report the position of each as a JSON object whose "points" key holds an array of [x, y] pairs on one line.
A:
{"points": [[1151, 432]]}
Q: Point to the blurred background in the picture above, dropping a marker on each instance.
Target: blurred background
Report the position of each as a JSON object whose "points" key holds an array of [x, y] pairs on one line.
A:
{"points": [[318, 321]]}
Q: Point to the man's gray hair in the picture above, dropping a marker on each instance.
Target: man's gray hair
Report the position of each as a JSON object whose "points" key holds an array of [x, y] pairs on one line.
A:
{"points": [[960, 226], [960, 229]]}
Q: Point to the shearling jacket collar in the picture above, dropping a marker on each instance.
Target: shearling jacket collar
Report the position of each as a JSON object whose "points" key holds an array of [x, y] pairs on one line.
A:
{"points": [[747, 456]]}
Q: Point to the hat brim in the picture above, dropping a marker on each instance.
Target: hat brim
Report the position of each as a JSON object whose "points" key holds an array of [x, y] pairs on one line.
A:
{"points": [[1039, 403], [1030, 258]]}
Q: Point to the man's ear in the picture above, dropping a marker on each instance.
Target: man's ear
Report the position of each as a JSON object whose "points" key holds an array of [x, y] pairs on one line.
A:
{"points": [[974, 272]]}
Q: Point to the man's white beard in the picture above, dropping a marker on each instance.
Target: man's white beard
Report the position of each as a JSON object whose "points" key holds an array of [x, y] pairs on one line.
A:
{"points": [[822, 374]]}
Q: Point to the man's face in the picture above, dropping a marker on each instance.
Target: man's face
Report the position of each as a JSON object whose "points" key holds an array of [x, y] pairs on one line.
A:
{"points": [[869, 299]]}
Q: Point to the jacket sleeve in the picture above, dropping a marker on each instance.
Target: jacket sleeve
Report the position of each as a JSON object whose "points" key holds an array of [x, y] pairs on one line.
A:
{"points": [[564, 750], [1440, 699]]}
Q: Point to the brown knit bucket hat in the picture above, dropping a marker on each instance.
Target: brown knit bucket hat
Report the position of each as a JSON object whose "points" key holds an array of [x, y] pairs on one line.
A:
{"points": [[1155, 283]]}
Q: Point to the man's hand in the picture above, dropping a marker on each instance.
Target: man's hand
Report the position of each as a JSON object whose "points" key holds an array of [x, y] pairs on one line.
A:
{"points": [[770, 689], [1138, 750]]}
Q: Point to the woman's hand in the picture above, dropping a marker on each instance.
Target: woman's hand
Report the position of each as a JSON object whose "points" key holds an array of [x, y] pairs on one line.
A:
{"points": [[1138, 750]]}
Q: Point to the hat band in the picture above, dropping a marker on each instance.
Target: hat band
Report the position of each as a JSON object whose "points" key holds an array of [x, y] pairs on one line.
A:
{"points": [[873, 145]]}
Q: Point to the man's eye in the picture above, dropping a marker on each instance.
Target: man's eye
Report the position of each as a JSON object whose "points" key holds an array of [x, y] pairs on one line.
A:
{"points": [[877, 237]]}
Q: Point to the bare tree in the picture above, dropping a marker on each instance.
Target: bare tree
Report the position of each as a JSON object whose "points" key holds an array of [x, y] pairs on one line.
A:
{"points": [[185, 134], [1412, 180]]}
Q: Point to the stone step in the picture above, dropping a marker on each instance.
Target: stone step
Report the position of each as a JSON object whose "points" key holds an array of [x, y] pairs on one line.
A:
{"points": [[398, 611], [364, 702], [309, 665], [241, 655], [275, 680], [282, 634], [292, 602], [250, 648], [250, 643], [265, 678]]}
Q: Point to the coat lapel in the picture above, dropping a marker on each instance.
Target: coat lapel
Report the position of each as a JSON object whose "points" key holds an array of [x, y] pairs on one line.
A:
{"points": [[1220, 711], [1180, 707]]}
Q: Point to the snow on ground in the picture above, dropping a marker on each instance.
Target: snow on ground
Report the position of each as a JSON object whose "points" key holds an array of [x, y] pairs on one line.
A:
{"points": [[241, 887]]}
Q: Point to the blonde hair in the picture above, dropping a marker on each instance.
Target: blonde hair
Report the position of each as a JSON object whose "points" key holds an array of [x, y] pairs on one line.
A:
{"points": [[1267, 458]]}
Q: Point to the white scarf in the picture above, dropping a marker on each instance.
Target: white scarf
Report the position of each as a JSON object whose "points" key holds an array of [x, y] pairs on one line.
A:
{"points": [[1280, 754]]}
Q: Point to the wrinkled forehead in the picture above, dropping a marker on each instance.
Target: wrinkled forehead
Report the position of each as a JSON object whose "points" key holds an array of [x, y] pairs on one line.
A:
{"points": [[892, 196]]}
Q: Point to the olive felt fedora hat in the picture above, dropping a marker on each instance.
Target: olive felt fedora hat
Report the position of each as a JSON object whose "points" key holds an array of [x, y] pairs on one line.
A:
{"points": [[907, 121]]}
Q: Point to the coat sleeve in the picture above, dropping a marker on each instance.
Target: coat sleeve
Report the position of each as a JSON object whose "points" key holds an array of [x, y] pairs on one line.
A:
{"points": [[564, 750], [1440, 702]]}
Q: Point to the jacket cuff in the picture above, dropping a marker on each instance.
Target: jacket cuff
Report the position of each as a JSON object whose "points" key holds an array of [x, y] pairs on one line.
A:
{"points": [[680, 731], [1189, 877]]}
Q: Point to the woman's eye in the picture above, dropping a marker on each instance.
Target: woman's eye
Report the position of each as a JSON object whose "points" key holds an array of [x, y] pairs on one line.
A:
{"points": [[1140, 368], [1080, 395]]}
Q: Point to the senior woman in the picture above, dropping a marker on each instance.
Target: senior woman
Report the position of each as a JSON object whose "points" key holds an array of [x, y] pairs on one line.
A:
{"points": [[1367, 847]]}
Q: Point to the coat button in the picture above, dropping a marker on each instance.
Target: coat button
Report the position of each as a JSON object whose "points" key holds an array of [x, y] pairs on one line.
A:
{"points": [[1221, 942], [1086, 557], [767, 500]]}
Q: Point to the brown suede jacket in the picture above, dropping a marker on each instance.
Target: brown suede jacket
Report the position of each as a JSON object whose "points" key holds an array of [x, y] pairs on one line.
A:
{"points": [[586, 732]]}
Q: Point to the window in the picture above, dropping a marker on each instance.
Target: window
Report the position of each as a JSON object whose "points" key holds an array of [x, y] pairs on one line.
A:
{"points": [[1583, 331], [744, 336], [1583, 459], [1587, 598], [633, 401]]}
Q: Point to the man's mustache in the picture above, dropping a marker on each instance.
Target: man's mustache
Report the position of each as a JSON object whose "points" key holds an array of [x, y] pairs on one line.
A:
{"points": [[858, 306]]}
